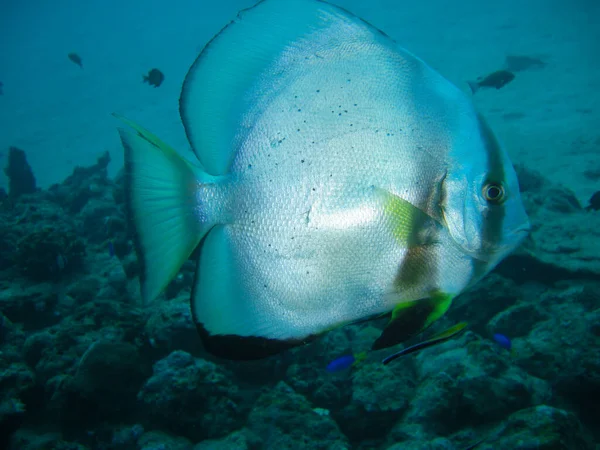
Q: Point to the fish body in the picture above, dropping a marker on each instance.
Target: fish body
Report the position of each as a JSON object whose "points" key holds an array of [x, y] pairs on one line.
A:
{"points": [[74, 57], [345, 362], [503, 341], [519, 63], [339, 178], [154, 78], [434, 340], [341, 363], [111, 249], [497, 79]]}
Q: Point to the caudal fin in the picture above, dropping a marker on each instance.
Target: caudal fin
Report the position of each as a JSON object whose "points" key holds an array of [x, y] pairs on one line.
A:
{"points": [[162, 201]]}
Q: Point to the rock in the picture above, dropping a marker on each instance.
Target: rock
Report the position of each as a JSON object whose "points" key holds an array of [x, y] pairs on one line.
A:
{"points": [[157, 440], [50, 253], [284, 419], [192, 397], [466, 382], [110, 373], [564, 235], [380, 394], [19, 173], [30, 439], [238, 440], [83, 184], [170, 327], [542, 428]]}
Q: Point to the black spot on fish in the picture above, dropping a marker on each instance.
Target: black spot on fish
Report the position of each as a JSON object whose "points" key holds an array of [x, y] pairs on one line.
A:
{"points": [[154, 78]]}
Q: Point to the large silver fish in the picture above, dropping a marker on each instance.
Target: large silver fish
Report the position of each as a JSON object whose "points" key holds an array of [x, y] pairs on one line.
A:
{"points": [[340, 178]]}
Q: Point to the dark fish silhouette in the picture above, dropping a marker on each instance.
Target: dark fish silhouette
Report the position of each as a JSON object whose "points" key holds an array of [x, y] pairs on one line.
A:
{"points": [[1, 86], [594, 202], [76, 59], [497, 79], [154, 78], [519, 63]]}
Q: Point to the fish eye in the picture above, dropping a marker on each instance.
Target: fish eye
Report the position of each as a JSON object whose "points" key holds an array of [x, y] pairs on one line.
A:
{"points": [[493, 193]]}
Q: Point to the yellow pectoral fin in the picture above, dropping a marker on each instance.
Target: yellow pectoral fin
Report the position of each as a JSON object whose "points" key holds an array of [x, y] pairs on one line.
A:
{"points": [[411, 318], [406, 220]]}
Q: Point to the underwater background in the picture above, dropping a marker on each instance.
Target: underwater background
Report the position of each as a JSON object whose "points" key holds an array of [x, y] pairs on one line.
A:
{"points": [[85, 365]]}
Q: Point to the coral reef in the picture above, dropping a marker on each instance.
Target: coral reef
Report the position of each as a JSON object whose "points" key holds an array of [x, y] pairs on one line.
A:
{"points": [[86, 365]]}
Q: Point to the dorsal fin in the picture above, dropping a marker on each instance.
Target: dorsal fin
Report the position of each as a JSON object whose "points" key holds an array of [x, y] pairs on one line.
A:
{"points": [[219, 97]]}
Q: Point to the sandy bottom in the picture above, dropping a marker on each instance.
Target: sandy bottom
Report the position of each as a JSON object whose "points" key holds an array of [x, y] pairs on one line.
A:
{"points": [[548, 118]]}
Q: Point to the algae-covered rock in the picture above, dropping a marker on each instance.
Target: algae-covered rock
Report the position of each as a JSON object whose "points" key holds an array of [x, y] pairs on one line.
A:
{"points": [[541, 427], [110, 372], [284, 419], [19, 173], [563, 234], [35, 305], [238, 440], [466, 382], [84, 184], [158, 440], [31, 439], [380, 394], [170, 327], [192, 397], [50, 252]]}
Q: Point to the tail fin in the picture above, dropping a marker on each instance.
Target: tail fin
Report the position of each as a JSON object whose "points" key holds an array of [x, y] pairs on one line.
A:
{"points": [[162, 200], [474, 85], [146, 79]]}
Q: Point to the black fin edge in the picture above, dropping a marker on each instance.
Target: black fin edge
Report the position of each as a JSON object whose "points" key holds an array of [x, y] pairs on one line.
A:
{"points": [[130, 215], [244, 348], [405, 326]]}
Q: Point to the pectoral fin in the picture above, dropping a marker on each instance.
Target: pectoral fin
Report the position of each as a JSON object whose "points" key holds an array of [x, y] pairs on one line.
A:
{"points": [[411, 318]]}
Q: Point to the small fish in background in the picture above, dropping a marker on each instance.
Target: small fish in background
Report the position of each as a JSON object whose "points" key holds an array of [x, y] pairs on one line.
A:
{"points": [[154, 78], [594, 203], [111, 249], [76, 59], [519, 63], [434, 340], [1, 86], [345, 362], [497, 79], [504, 341]]}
